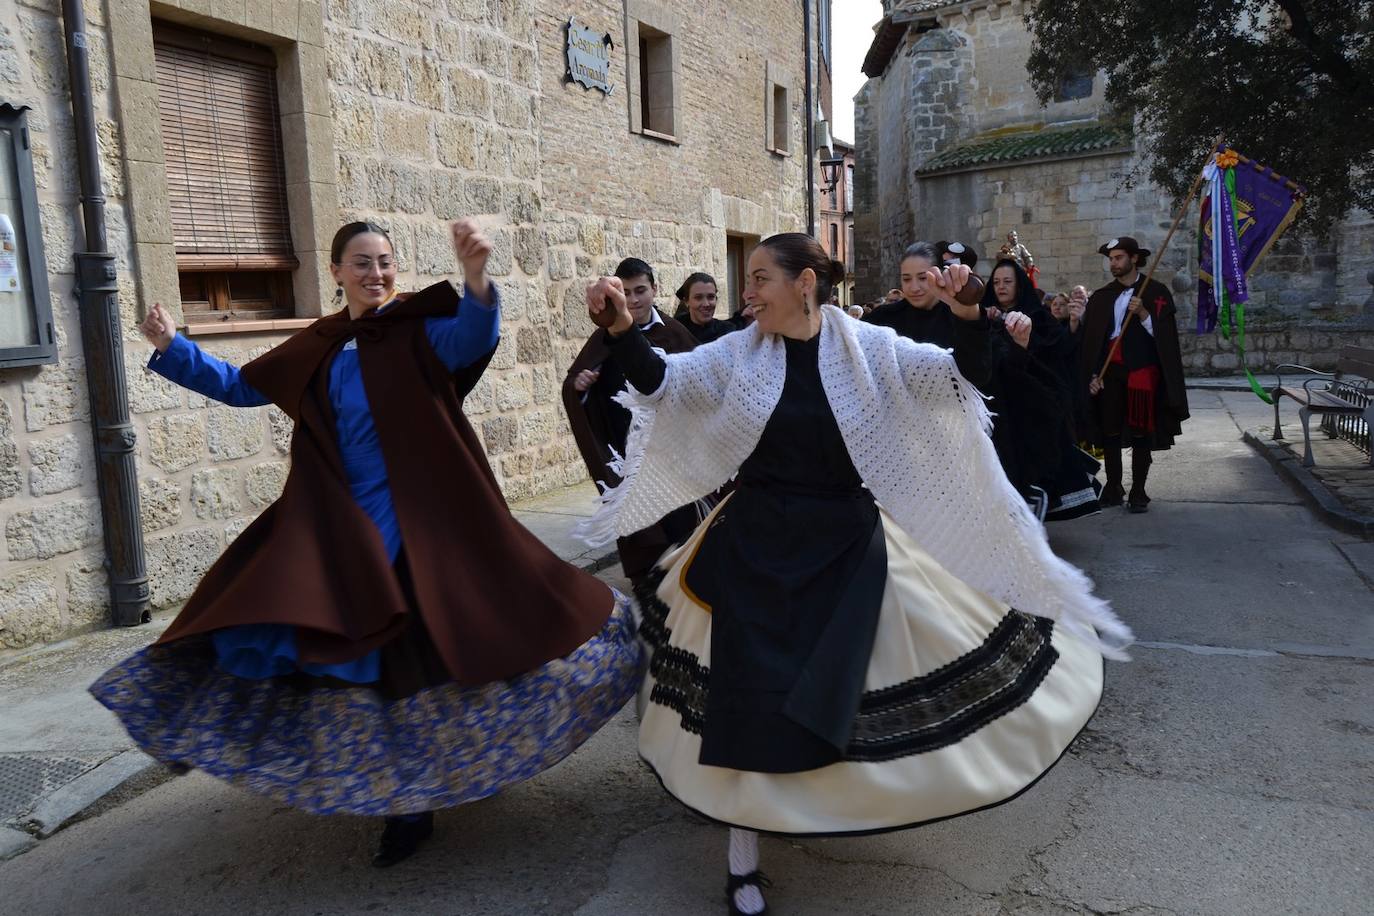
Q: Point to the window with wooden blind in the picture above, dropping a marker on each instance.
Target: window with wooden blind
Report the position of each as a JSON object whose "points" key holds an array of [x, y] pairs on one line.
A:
{"points": [[226, 182]]}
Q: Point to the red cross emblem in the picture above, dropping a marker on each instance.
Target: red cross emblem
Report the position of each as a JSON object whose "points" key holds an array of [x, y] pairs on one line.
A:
{"points": [[1160, 303]]}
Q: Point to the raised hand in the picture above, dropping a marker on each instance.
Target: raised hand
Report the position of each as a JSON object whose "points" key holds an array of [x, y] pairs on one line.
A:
{"points": [[607, 306], [472, 249], [158, 328], [1018, 325], [957, 287]]}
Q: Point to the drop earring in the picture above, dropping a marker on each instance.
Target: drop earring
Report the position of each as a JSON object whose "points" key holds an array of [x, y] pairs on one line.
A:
{"points": [[338, 295]]}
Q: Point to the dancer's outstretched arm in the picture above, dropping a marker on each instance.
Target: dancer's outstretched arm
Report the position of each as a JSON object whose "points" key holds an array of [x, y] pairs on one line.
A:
{"points": [[470, 334], [180, 360], [643, 366]]}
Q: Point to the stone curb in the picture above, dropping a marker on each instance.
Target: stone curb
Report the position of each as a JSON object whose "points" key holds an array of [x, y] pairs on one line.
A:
{"points": [[13, 842], [1221, 384], [78, 795], [597, 564], [1306, 485]]}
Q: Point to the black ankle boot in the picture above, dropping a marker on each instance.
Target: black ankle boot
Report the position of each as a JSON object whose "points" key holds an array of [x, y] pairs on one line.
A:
{"points": [[1141, 459], [401, 837], [733, 883], [1113, 492]]}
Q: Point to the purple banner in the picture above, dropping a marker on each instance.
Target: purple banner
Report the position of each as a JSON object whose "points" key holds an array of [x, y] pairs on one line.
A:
{"points": [[1242, 216], [1264, 208]]}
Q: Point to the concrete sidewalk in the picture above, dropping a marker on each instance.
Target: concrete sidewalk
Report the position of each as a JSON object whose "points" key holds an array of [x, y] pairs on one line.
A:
{"points": [[62, 753], [1229, 382]]}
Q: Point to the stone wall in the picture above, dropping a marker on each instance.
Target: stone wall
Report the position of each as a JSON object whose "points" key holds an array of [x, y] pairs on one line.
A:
{"points": [[431, 113], [962, 74], [998, 94], [51, 577], [1316, 346], [870, 130]]}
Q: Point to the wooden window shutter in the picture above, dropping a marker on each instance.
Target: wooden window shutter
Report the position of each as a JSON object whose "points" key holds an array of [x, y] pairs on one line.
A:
{"points": [[221, 136]]}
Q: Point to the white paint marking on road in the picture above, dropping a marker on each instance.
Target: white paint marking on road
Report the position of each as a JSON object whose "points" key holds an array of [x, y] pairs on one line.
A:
{"points": [[1286, 650], [1209, 650]]}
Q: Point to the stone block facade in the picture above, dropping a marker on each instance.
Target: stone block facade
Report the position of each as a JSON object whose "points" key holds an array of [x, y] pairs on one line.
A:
{"points": [[409, 114], [958, 77]]}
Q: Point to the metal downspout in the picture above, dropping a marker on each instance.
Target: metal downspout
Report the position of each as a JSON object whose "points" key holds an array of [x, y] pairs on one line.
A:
{"points": [[98, 297], [810, 128]]}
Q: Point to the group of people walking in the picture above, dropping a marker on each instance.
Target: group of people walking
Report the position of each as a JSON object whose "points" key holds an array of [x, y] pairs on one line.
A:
{"points": [[1061, 372], [846, 619]]}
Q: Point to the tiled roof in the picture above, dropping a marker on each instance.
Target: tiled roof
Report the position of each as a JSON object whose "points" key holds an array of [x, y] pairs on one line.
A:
{"points": [[1038, 144], [887, 37], [924, 6], [888, 34]]}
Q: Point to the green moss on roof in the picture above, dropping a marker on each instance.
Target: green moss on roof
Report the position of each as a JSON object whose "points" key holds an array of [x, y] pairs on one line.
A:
{"points": [[1030, 145]]}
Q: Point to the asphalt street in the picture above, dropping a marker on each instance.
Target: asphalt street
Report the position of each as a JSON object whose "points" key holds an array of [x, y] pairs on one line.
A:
{"points": [[1230, 769]]}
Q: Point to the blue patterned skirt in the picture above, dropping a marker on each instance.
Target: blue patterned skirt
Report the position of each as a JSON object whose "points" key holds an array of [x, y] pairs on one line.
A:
{"points": [[349, 750]]}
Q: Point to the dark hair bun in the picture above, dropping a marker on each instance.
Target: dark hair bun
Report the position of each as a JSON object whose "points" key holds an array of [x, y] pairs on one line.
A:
{"points": [[838, 273]]}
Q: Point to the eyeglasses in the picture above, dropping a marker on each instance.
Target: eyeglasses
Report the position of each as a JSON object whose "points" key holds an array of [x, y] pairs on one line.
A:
{"points": [[363, 266]]}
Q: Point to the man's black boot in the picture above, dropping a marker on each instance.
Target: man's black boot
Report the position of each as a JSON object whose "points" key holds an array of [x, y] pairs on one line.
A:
{"points": [[1113, 493], [1141, 460]]}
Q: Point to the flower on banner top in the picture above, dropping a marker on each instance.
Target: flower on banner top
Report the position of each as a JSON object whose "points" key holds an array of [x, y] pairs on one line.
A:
{"points": [[1228, 159]]}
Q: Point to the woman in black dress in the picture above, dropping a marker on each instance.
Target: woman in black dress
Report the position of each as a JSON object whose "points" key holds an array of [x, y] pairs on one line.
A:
{"points": [[815, 670]]}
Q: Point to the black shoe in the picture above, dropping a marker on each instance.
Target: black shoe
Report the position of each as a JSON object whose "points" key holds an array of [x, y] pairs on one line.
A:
{"points": [[733, 883], [1138, 503], [1112, 495], [401, 837]]}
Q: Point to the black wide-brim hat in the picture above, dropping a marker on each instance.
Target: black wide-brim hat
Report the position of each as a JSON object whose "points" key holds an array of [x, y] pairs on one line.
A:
{"points": [[967, 256], [1126, 244]]}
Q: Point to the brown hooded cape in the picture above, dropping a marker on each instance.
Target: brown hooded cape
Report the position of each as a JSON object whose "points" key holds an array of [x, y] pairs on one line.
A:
{"points": [[1138, 348], [592, 423], [494, 599]]}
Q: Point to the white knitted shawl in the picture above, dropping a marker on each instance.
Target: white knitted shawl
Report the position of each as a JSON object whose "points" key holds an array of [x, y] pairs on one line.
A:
{"points": [[916, 430]]}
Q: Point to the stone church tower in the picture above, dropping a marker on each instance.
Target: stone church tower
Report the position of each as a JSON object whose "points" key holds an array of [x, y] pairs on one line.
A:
{"points": [[953, 144]]}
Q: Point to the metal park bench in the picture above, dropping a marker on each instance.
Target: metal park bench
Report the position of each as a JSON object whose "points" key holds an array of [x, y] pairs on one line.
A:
{"points": [[1344, 399]]}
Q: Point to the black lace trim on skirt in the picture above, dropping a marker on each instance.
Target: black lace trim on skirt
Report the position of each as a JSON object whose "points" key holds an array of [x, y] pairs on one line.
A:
{"points": [[923, 714]]}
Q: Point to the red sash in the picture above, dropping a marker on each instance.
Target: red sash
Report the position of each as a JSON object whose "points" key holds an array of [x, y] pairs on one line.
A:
{"points": [[1141, 385]]}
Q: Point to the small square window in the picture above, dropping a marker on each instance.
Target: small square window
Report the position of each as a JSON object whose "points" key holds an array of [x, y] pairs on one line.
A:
{"points": [[653, 74], [1076, 84], [656, 84], [778, 111]]}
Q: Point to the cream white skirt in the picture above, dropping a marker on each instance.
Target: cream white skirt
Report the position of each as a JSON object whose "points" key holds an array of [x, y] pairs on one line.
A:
{"points": [[966, 704]]}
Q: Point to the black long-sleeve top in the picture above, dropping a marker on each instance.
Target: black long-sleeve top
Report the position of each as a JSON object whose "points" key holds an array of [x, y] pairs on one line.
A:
{"points": [[937, 325], [792, 568]]}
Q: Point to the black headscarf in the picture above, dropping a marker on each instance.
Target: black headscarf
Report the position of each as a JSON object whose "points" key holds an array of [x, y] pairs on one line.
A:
{"points": [[1046, 332], [1052, 343]]}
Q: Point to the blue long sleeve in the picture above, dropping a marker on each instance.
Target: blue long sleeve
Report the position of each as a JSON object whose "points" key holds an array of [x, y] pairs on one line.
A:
{"points": [[468, 336], [269, 650], [191, 367]]}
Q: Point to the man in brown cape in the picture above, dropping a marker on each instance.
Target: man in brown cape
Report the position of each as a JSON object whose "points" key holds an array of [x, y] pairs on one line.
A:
{"points": [[600, 425], [1141, 400]]}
